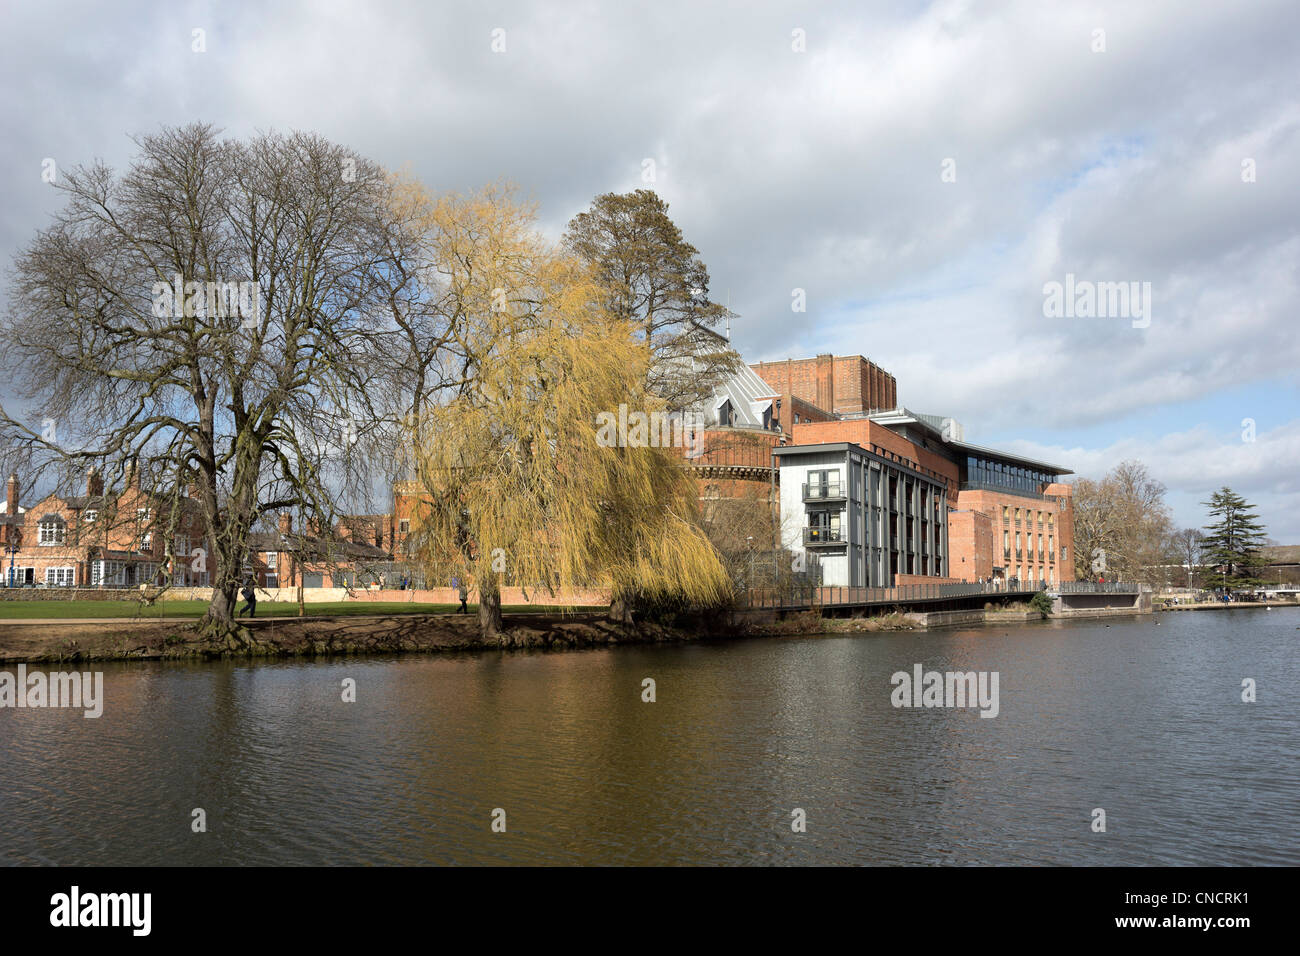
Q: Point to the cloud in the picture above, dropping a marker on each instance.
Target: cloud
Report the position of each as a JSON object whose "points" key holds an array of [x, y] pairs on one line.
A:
{"points": [[818, 170]]}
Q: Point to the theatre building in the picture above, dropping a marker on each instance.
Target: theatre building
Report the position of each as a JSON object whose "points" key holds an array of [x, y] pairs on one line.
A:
{"points": [[880, 495]]}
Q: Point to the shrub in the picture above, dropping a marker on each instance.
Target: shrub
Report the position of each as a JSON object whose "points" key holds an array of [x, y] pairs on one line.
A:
{"points": [[1042, 603]]}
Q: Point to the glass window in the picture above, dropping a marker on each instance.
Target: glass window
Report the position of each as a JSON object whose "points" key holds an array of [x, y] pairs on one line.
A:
{"points": [[59, 577]]}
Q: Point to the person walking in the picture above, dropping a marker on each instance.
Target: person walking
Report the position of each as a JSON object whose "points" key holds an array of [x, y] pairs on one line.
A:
{"points": [[249, 594], [464, 598]]}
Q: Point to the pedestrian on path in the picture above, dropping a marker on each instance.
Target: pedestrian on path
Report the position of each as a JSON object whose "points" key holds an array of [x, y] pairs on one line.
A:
{"points": [[249, 593]]}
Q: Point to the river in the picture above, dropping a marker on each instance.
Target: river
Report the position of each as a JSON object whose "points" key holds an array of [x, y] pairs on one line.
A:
{"points": [[1141, 717]]}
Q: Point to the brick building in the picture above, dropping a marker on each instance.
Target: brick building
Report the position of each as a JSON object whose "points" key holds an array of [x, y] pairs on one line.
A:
{"points": [[830, 384], [111, 539], [351, 554], [1006, 517]]}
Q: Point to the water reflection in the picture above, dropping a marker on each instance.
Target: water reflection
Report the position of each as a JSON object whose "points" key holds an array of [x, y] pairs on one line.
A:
{"points": [[1144, 721]]}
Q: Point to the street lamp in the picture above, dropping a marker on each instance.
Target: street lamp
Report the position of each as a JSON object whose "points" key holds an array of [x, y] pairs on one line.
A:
{"points": [[12, 551]]}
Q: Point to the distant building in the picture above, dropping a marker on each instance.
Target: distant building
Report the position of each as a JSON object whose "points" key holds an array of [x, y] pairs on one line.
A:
{"points": [[352, 554]]}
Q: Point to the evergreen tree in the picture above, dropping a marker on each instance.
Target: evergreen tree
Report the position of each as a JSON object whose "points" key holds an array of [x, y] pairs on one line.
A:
{"points": [[1233, 541]]}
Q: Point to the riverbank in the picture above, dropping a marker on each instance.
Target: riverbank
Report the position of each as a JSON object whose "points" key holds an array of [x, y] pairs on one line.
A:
{"points": [[37, 640], [59, 641], [1229, 606]]}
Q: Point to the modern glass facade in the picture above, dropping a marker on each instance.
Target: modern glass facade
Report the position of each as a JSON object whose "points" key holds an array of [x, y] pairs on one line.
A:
{"points": [[993, 473]]}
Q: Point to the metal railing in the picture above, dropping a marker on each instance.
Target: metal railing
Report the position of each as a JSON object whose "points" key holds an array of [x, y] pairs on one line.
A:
{"points": [[815, 491], [809, 597], [823, 535], [1098, 587]]}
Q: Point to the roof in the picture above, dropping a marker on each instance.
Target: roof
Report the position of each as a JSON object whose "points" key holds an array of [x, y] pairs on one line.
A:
{"points": [[950, 432], [333, 546], [749, 395], [1010, 456]]}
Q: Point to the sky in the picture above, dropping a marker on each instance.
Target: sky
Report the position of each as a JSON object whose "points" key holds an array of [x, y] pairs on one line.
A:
{"points": [[917, 174]]}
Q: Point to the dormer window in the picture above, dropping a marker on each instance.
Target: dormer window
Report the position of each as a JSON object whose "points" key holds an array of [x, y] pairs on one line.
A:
{"points": [[52, 530], [89, 515]]}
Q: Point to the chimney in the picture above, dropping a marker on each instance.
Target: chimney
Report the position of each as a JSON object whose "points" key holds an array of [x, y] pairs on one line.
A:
{"points": [[286, 523], [826, 382], [11, 495], [94, 483]]}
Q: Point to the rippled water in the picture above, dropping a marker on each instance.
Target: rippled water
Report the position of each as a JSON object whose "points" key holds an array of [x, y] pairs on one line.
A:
{"points": [[1142, 719]]}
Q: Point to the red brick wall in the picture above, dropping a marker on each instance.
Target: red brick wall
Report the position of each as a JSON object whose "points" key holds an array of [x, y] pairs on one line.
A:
{"points": [[1055, 524], [867, 433], [846, 383], [970, 545]]}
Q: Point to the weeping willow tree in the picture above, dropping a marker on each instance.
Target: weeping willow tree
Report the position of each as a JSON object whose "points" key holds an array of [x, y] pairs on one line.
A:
{"points": [[521, 483]]}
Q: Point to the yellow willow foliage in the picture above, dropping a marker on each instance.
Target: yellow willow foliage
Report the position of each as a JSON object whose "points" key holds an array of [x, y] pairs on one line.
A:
{"points": [[519, 484]]}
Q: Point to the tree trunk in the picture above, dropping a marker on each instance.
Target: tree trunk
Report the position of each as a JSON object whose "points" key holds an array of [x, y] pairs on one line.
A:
{"points": [[489, 611], [620, 611], [219, 624]]}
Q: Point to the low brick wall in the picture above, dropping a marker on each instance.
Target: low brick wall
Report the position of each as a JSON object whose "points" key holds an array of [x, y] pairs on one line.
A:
{"points": [[587, 597], [593, 597], [71, 594]]}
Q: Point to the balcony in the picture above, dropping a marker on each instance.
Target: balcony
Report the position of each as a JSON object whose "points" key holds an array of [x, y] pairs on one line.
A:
{"points": [[1006, 554], [832, 491], [823, 536], [1019, 554]]}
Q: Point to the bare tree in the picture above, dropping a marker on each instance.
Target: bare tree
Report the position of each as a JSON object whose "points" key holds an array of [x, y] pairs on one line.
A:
{"points": [[1188, 546], [211, 312], [1121, 525]]}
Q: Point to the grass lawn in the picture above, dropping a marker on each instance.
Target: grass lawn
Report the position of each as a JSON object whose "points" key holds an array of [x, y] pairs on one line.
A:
{"points": [[193, 609]]}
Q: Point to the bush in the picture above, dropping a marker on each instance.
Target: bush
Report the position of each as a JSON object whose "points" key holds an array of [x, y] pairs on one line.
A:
{"points": [[1041, 603]]}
